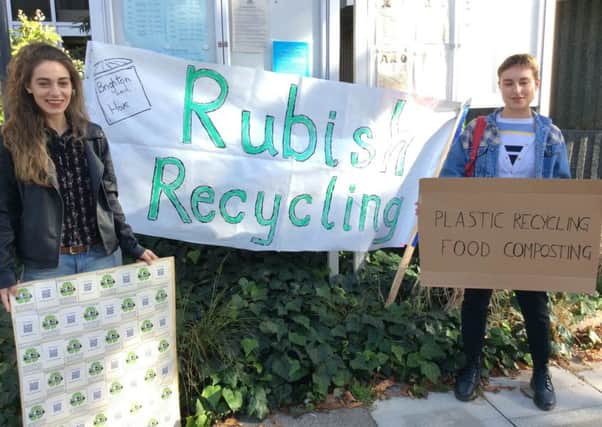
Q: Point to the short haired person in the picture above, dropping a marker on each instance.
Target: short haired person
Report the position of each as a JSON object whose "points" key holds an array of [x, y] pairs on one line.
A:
{"points": [[59, 212], [517, 143]]}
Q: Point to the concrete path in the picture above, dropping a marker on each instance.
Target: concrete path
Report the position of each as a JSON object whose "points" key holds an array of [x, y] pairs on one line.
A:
{"points": [[578, 391]]}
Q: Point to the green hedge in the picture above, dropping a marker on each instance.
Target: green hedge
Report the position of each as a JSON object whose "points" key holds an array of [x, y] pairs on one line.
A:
{"points": [[263, 330]]}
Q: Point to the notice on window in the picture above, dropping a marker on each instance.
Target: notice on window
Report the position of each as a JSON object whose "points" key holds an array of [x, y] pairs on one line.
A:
{"points": [[99, 349], [393, 68], [177, 28], [291, 57], [249, 26], [411, 46]]}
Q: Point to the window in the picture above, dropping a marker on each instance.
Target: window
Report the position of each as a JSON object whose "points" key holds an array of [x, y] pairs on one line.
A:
{"points": [[64, 10], [71, 10], [71, 18], [29, 7]]}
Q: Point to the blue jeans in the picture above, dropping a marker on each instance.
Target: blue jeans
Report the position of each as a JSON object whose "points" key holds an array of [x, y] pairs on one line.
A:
{"points": [[93, 259]]}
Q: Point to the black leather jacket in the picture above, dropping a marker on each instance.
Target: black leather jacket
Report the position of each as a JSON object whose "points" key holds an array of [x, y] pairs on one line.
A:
{"points": [[31, 216]]}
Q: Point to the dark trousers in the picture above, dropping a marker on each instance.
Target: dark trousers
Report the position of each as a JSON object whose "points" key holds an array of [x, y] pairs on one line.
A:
{"points": [[534, 307]]}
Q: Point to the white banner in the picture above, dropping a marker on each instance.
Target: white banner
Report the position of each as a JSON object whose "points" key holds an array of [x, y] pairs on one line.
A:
{"points": [[99, 348], [252, 159]]}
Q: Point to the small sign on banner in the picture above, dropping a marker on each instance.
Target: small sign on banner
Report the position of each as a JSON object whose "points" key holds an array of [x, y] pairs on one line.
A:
{"points": [[88, 360], [525, 234]]}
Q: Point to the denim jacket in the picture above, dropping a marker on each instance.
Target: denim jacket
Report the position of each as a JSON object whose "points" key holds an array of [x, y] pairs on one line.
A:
{"points": [[551, 159]]}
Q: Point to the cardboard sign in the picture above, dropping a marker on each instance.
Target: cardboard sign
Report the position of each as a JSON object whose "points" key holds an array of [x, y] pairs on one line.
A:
{"points": [[99, 348], [523, 234]]}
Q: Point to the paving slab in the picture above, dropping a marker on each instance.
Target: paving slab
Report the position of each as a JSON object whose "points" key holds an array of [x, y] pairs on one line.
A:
{"points": [[593, 375], [438, 409], [586, 417], [571, 393], [356, 417]]}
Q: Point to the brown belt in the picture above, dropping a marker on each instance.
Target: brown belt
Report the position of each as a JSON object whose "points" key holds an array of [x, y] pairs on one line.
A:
{"points": [[74, 250]]}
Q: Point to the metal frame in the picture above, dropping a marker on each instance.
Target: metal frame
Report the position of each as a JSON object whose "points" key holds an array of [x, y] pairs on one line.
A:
{"points": [[101, 15], [546, 39], [222, 32]]}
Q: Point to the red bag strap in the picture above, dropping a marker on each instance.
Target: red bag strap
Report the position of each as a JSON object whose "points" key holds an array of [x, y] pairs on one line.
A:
{"points": [[477, 134]]}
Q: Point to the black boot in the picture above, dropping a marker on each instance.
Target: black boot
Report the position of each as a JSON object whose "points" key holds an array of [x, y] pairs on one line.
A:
{"points": [[467, 380], [543, 390]]}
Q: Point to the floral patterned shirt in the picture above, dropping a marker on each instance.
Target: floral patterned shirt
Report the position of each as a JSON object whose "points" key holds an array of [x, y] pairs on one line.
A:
{"points": [[79, 207]]}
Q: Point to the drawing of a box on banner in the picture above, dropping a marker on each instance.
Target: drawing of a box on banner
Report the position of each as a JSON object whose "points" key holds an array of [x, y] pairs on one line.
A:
{"points": [[119, 90]]}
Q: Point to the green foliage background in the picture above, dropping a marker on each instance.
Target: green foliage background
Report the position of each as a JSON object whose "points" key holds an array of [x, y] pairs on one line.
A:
{"points": [[263, 330]]}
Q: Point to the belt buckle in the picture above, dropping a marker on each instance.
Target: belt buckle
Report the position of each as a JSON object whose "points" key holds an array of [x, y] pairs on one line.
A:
{"points": [[74, 250]]}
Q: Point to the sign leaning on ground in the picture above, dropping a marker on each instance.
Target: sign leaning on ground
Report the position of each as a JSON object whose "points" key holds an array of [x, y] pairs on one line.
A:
{"points": [[252, 159], [510, 233], [99, 349]]}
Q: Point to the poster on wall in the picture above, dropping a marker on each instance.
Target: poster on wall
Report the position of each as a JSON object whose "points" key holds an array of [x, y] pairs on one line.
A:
{"points": [[99, 348], [291, 57], [180, 28], [411, 39], [249, 25]]}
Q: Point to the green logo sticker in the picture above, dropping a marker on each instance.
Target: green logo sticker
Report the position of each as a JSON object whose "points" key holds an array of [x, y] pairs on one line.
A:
{"points": [[36, 413], [112, 336], [115, 388], [91, 313], [163, 346], [74, 346], [161, 296], [150, 375], [55, 379], [95, 368], [131, 358], [23, 296], [107, 281], [143, 274], [31, 356], [135, 408], [100, 420], [128, 305], [146, 326], [67, 289], [77, 399], [166, 393], [50, 322]]}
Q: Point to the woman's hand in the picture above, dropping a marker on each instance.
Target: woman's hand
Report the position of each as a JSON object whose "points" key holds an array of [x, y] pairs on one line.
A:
{"points": [[148, 256], [4, 296]]}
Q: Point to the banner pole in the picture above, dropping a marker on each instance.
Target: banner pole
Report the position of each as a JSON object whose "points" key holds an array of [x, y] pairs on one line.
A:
{"points": [[409, 251]]}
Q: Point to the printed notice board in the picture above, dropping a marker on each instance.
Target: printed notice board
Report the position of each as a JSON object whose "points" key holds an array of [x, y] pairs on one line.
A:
{"points": [[99, 349]]}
